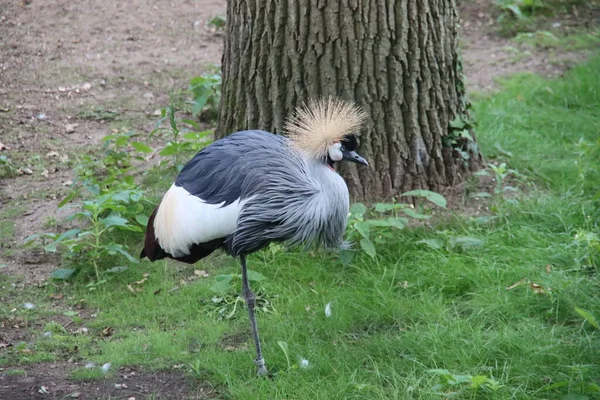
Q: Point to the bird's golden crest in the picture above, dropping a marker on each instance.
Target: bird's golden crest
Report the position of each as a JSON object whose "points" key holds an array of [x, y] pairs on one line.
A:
{"points": [[317, 125]]}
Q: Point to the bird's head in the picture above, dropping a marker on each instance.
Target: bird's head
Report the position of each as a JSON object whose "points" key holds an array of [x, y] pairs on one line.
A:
{"points": [[345, 149], [323, 130]]}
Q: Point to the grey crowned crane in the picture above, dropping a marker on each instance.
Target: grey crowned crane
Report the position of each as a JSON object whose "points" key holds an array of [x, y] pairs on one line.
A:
{"points": [[252, 188]]}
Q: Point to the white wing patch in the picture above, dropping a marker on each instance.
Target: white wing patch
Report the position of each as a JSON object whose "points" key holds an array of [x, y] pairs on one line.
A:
{"points": [[183, 219]]}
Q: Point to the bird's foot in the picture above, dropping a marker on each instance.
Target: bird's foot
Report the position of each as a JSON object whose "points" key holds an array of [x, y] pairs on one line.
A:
{"points": [[261, 367]]}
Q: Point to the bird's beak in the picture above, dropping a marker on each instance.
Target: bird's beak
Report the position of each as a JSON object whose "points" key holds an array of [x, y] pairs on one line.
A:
{"points": [[354, 157]]}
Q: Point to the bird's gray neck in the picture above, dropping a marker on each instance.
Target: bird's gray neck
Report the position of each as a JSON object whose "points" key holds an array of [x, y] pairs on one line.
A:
{"points": [[333, 202]]}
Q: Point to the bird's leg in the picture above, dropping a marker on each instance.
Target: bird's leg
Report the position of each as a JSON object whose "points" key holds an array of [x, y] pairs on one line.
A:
{"points": [[250, 299]]}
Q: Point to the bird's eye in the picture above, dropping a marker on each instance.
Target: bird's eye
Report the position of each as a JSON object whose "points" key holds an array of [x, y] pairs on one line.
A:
{"points": [[342, 148]]}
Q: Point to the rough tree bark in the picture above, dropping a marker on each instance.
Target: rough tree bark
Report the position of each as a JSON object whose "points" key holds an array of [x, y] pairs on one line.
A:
{"points": [[397, 59]]}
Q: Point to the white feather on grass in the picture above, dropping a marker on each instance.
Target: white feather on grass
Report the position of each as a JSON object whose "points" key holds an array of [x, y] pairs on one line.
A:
{"points": [[328, 310], [106, 368]]}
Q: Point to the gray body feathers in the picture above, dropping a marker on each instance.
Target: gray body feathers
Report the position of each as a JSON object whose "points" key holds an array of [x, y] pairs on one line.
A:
{"points": [[288, 196]]}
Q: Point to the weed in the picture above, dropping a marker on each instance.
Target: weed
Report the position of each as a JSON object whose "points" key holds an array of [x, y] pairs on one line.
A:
{"points": [[218, 22], [376, 227], [227, 300], [176, 148], [206, 93], [519, 9], [102, 216], [7, 168], [451, 385], [99, 115]]}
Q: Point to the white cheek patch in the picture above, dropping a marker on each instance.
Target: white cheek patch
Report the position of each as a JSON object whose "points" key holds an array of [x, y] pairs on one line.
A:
{"points": [[335, 152]]}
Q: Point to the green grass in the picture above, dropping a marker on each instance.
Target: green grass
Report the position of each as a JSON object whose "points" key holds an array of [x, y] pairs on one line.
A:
{"points": [[400, 318], [578, 40], [542, 123]]}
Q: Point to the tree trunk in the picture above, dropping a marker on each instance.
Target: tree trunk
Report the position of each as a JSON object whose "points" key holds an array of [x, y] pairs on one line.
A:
{"points": [[396, 59]]}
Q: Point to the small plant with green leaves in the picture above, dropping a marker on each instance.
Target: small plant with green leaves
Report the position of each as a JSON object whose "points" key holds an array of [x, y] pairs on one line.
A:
{"points": [[501, 172], [180, 143], [516, 15], [376, 226], [228, 301], [218, 22], [519, 9], [7, 168], [459, 138], [206, 94], [102, 216], [587, 243], [452, 385], [112, 170]]}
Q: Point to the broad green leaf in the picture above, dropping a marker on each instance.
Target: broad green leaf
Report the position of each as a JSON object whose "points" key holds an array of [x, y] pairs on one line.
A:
{"points": [[221, 286], [368, 247], [122, 196], [142, 219], [117, 248], [358, 209], [515, 10], [588, 317], [458, 379], [114, 220], [29, 240], [255, 276], [50, 248], [200, 102], [142, 147], [433, 243], [169, 150], [191, 123], [433, 197], [136, 196], [284, 348], [67, 234], [385, 207], [378, 222], [457, 123], [478, 380], [63, 273], [465, 133], [398, 223], [413, 214], [363, 228]]}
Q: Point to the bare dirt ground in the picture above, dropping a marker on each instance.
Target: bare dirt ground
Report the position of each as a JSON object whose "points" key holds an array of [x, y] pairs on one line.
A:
{"points": [[65, 64]]}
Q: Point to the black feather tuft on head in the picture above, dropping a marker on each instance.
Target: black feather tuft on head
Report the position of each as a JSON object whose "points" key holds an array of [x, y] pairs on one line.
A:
{"points": [[350, 142]]}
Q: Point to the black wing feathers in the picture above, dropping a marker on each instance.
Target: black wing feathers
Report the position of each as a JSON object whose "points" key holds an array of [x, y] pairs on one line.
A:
{"points": [[219, 173]]}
